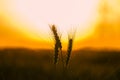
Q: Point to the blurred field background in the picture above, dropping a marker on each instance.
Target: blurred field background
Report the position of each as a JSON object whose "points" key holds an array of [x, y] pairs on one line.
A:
{"points": [[24, 24], [85, 64]]}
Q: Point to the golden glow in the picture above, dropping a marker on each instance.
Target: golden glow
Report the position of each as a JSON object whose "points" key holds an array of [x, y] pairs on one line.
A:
{"points": [[33, 16], [26, 22], [107, 32]]}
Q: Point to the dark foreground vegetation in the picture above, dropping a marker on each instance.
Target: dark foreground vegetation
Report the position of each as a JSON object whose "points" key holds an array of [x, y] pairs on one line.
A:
{"points": [[85, 64]]}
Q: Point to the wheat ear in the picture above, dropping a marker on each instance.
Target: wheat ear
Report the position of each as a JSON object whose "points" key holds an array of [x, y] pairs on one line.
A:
{"points": [[69, 50], [71, 37], [58, 45]]}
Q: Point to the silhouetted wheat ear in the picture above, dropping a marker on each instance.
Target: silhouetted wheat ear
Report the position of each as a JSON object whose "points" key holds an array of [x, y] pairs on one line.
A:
{"points": [[56, 51], [69, 50], [58, 45]]}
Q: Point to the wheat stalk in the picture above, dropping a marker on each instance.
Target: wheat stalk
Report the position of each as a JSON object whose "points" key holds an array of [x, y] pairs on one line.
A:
{"points": [[58, 45], [56, 51], [71, 36], [69, 50]]}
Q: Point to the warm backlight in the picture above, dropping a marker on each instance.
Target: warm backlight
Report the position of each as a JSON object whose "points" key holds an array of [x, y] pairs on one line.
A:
{"points": [[34, 16], [25, 23]]}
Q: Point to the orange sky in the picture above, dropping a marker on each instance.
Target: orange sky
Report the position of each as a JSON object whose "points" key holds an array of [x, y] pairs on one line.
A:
{"points": [[10, 37], [106, 32]]}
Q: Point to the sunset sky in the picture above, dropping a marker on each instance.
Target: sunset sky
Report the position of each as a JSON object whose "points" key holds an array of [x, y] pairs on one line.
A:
{"points": [[25, 23]]}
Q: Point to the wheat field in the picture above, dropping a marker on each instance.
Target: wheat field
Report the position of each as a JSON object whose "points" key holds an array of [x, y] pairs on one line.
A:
{"points": [[85, 64]]}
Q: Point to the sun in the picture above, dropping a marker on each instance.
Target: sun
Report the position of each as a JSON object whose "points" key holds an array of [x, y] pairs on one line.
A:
{"points": [[34, 16]]}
